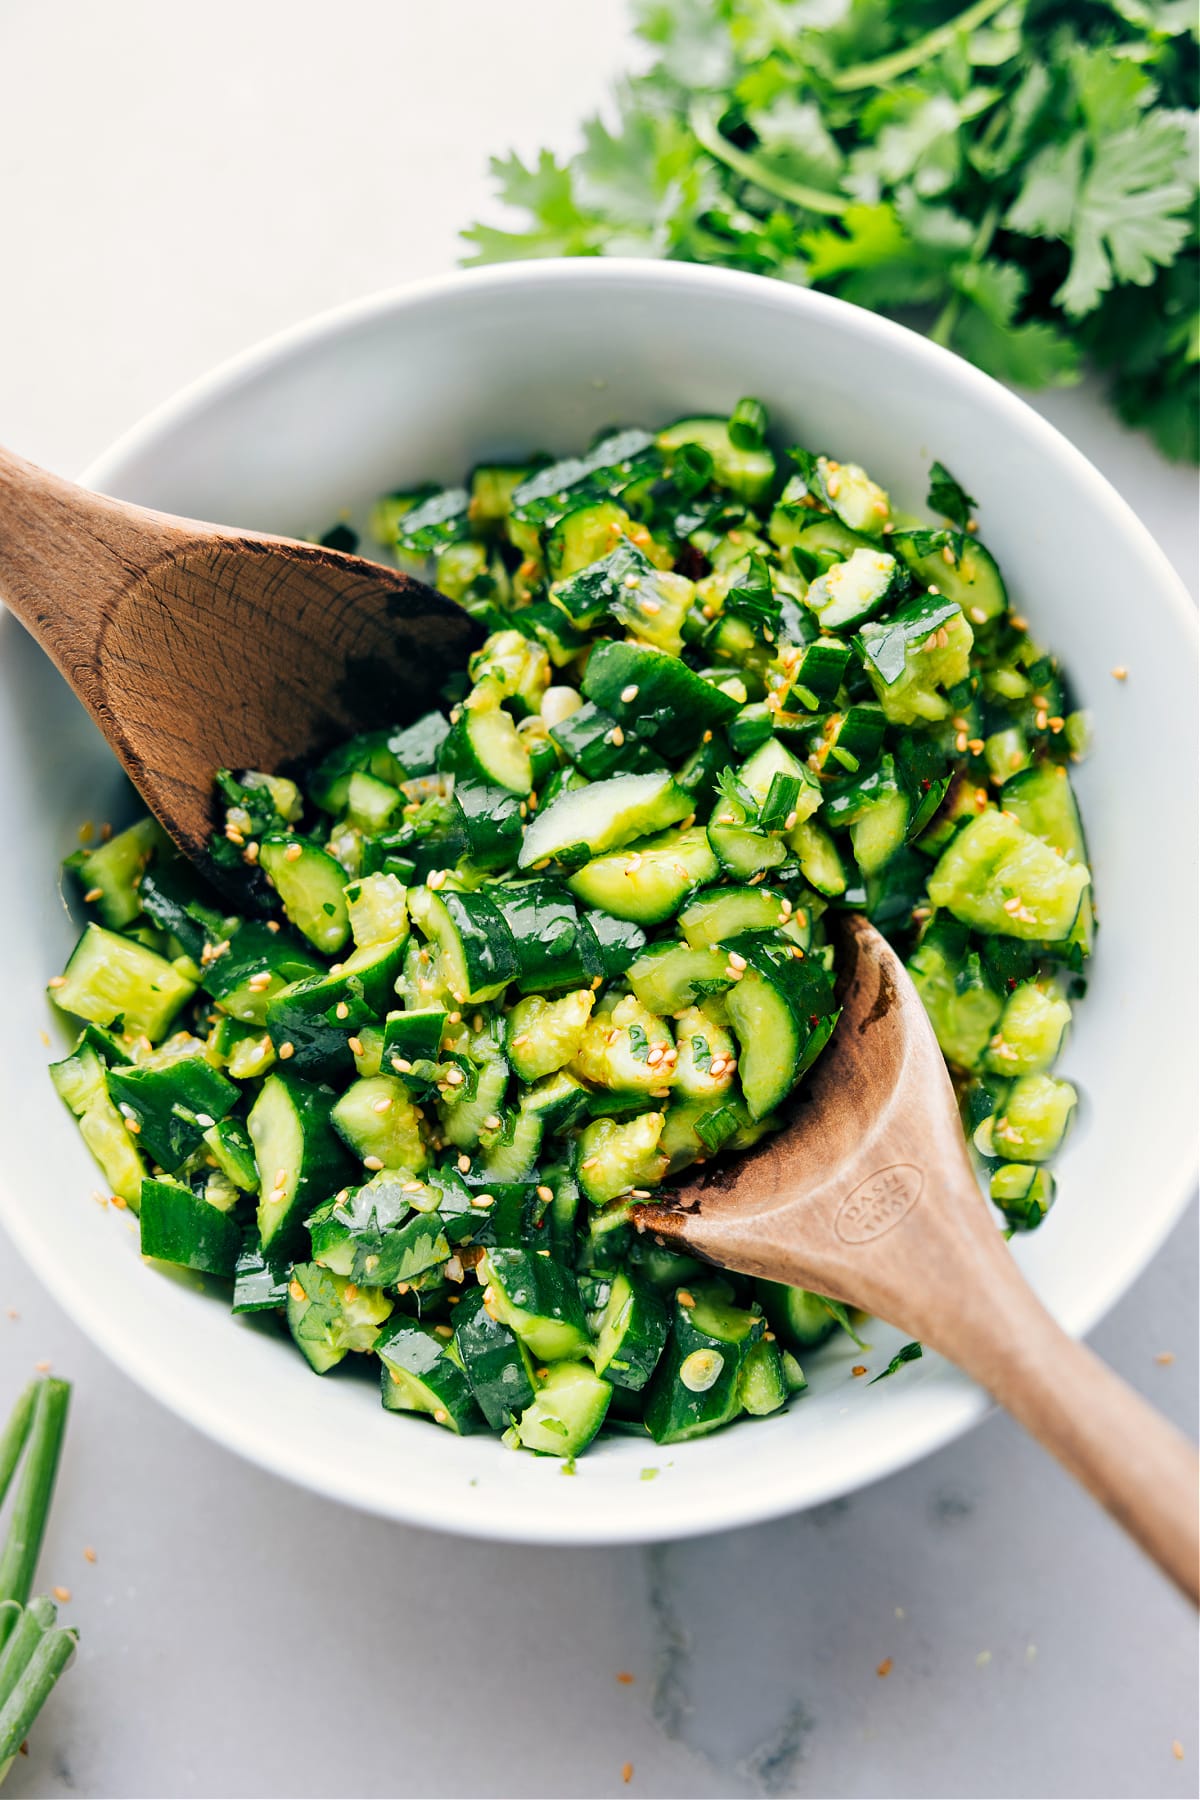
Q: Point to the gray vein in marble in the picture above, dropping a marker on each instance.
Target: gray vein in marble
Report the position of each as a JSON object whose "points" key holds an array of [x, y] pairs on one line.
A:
{"points": [[772, 1767], [671, 1702]]}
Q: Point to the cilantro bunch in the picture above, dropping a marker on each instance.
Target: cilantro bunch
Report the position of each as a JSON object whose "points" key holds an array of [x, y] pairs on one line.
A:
{"points": [[1021, 175]]}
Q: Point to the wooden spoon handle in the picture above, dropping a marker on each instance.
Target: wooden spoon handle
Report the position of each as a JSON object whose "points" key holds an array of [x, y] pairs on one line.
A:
{"points": [[66, 557], [1111, 1440]]}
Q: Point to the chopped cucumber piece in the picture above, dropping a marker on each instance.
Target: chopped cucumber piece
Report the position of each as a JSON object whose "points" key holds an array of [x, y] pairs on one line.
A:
{"points": [[997, 877], [115, 981]]}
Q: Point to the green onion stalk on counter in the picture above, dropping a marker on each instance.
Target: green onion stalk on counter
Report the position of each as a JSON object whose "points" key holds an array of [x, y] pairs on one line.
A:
{"points": [[34, 1647]]}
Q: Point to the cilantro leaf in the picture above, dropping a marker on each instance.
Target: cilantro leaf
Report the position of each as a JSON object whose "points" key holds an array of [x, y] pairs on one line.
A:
{"points": [[1023, 173], [842, 1315], [947, 498], [909, 1353]]}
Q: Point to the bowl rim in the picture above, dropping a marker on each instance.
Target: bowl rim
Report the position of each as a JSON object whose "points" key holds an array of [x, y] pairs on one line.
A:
{"points": [[959, 1406]]}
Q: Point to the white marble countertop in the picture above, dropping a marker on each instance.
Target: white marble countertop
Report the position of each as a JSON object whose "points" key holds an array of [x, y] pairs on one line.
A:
{"points": [[177, 182]]}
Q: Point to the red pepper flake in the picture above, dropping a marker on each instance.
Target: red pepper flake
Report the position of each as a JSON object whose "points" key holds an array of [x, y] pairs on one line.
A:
{"points": [[627, 1773], [625, 1678]]}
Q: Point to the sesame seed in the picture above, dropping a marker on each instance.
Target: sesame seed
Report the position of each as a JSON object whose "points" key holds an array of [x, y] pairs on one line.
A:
{"points": [[455, 1076], [293, 853], [483, 1200], [61, 1594], [440, 1414], [258, 982], [975, 746], [885, 1667], [382, 1105], [374, 1163], [492, 1122], [616, 736], [89, 1555], [205, 1120], [354, 1044], [1120, 672], [464, 1164], [93, 893], [341, 1010], [651, 606], [57, 981], [736, 961], [286, 1050], [859, 1369], [977, 615], [296, 1291]]}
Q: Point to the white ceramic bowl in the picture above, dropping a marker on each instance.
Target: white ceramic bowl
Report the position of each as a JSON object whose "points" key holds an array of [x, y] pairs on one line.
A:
{"points": [[424, 383]]}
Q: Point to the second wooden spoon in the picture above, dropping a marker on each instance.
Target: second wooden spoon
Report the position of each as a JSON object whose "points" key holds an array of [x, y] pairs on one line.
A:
{"points": [[868, 1196]]}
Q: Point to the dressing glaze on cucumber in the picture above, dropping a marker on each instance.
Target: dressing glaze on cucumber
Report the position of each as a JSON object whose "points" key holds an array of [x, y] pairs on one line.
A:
{"points": [[494, 975]]}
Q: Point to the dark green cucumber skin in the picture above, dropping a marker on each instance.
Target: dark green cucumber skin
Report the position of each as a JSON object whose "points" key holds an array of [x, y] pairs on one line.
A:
{"points": [[325, 1165], [488, 947], [172, 896], [413, 1036], [260, 1284], [515, 1220], [496, 1367], [673, 1412], [255, 950], [177, 1227], [306, 1016], [647, 1326], [552, 951], [192, 1084], [537, 1285], [389, 1242], [590, 740], [673, 706], [492, 822], [796, 1317], [414, 1348]]}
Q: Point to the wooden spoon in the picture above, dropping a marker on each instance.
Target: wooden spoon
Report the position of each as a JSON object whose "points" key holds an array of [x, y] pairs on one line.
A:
{"points": [[868, 1196], [196, 648]]}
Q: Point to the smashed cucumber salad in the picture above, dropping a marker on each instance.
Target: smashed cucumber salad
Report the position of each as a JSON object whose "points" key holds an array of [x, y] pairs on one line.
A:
{"points": [[495, 976]]}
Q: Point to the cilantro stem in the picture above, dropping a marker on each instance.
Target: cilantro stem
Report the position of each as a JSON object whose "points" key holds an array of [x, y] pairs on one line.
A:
{"points": [[899, 62], [32, 1506], [942, 329], [703, 116]]}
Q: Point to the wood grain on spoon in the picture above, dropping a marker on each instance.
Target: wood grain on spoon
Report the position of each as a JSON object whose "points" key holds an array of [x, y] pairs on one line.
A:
{"points": [[868, 1196], [195, 647]]}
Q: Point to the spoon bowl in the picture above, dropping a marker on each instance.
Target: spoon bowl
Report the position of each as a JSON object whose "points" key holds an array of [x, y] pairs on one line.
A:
{"points": [[868, 1196], [197, 648]]}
